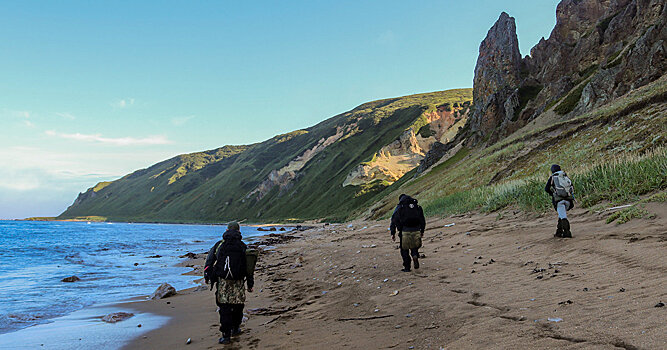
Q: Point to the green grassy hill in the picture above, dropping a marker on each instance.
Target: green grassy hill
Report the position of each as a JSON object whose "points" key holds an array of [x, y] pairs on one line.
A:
{"points": [[297, 176]]}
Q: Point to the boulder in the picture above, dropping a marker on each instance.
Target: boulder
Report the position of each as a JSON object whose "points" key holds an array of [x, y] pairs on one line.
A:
{"points": [[71, 279], [117, 317], [189, 256], [165, 290]]}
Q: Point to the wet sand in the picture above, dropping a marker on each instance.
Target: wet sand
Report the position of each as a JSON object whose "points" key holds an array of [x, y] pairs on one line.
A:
{"points": [[484, 283]]}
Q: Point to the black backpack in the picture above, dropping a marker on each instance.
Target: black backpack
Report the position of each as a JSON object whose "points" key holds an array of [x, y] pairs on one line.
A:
{"points": [[410, 214], [230, 260]]}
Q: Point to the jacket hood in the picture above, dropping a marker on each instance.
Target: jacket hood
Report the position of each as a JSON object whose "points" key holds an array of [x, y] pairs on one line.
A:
{"points": [[405, 199], [231, 235]]}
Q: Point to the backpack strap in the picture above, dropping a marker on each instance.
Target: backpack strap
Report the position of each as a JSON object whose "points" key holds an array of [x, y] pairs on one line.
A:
{"points": [[217, 247], [228, 268]]}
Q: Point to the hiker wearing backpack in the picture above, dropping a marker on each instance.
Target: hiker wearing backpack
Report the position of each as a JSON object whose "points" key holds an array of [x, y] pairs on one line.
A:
{"points": [[226, 267], [560, 187], [408, 219]]}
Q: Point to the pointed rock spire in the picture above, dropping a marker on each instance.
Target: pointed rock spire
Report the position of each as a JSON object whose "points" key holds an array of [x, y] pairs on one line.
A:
{"points": [[497, 75]]}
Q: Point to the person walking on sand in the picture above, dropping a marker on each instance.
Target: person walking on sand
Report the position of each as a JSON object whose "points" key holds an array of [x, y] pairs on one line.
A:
{"points": [[559, 186], [226, 266], [408, 219]]}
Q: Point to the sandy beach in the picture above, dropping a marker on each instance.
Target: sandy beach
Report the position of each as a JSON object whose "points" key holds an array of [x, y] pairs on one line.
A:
{"points": [[487, 282]]}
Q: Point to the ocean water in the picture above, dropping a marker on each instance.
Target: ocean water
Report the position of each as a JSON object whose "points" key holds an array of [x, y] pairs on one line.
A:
{"points": [[36, 256]]}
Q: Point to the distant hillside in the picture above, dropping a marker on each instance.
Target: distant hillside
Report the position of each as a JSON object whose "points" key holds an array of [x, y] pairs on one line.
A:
{"points": [[299, 175]]}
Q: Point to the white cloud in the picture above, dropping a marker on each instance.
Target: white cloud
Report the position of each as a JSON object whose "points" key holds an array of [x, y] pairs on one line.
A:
{"points": [[18, 182], [15, 114], [178, 121], [66, 115], [118, 141], [123, 103], [38, 181]]}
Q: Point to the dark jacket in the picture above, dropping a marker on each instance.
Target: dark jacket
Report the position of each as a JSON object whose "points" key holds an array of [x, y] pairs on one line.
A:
{"points": [[396, 223], [550, 191], [229, 235]]}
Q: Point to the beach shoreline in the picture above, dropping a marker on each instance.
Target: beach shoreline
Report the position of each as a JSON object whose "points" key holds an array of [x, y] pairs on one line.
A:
{"points": [[83, 329], [91, 261], [488, 281], [286, 225]]}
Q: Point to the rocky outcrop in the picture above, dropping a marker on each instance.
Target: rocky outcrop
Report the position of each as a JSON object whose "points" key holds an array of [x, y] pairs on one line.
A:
{"points": [[602, 48], [434, 155], [598, 51], [71, 279], [390, 162], [394, 160], [497, 76]]}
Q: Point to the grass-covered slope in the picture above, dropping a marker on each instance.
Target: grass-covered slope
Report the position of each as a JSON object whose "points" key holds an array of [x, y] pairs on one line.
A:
{"points": [[614, 154], [298, 175]]}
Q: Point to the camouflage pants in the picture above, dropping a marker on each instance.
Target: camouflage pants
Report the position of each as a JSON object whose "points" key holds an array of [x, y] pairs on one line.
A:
{"points": [[230, 292]]}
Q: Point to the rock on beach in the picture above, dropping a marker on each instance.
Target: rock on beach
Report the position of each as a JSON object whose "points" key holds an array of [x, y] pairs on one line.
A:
{"points": [[163, 291], [117, 317], [71, 279]]}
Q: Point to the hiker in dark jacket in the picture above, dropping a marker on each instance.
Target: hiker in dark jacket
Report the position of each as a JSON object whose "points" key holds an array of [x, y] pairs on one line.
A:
{"points": [[230, 293], [561, 204], [408, 218]]}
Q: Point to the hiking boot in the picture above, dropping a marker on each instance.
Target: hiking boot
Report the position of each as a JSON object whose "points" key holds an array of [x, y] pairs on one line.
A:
{"points": [[406, 269], [236, 332], [224, 340], [559, 231], [566, 229], [415, 259]]}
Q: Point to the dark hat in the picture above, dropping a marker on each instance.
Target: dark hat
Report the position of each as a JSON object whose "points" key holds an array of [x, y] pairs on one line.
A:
{"points": [[233, 226], [401, 196], [555, 168]]}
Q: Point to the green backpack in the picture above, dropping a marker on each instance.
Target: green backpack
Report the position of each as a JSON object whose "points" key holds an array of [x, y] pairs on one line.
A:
{"points": [[251, 260], [411, 240]]}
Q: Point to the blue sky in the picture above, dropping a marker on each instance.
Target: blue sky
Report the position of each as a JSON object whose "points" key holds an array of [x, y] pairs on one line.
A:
{"points": [[93, 90]]}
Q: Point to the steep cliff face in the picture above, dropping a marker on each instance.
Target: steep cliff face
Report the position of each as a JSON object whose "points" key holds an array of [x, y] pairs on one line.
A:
{"points": [[389, 163], [598, 51], [394, 160]]}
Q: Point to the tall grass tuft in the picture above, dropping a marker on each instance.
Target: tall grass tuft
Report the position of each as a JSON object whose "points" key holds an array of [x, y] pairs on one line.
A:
{"points": [[620, 180], [623, 179]]}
